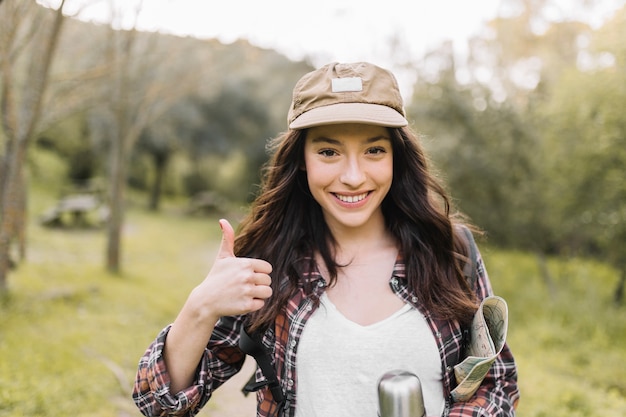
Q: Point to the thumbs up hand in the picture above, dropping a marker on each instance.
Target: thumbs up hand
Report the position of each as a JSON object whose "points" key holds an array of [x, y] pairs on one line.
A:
{"points": [[234, 285]]}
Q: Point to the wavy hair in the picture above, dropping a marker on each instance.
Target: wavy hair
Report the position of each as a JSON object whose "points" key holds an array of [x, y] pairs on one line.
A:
{"points": [[285, 227]]}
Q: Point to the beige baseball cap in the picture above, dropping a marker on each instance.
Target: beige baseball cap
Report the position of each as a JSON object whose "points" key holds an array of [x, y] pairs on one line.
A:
{"points": [[347, 93]]}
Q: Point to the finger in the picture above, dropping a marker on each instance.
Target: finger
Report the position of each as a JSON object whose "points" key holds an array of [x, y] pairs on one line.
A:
{"points": [[227, 247], [262, 279], [259, 265], [262, 292]]}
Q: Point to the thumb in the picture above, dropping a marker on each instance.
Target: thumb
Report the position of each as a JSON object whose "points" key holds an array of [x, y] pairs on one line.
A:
{"points": [[227, 247]]}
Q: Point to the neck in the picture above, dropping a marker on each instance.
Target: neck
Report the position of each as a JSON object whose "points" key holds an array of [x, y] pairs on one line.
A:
{"points": [[355, 243]]}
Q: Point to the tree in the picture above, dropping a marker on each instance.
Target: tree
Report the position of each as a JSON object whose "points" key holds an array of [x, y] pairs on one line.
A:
{"points": [[146, 81], [586, 134], [484, 115], [235, 122], [529, 132], [481, 146], [161, 140], [29, 38]]}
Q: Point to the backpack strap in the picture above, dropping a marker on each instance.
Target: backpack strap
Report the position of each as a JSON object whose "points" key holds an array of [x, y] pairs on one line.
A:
{"points": [[253, 347], [469, 269]]}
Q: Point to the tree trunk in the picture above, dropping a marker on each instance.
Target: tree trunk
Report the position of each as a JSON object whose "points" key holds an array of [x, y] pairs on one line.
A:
{"points": [[120, 54], [116, 202], [160, 166], [618, 296], [10, 211], [117, 174]]}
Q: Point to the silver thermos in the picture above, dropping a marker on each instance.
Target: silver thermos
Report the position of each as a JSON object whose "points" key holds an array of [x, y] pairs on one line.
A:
{"points": [[400, 395]]}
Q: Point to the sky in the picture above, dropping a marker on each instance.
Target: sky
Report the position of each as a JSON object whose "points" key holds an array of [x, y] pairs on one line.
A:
{"points": [[344, 30], [325, 30]]}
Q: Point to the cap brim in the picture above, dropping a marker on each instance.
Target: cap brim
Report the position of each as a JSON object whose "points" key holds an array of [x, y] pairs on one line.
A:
{"points": [[373, 114]]}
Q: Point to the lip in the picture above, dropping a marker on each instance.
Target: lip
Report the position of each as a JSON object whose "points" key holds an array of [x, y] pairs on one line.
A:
{"points": [[355, 197]]}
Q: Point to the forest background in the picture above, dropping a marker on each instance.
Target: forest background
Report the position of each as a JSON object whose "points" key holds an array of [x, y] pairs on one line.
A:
{"points": [[167, 133]]}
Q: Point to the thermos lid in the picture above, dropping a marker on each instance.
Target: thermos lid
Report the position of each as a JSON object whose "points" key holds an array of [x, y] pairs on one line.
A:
{"points": [[400, 395]]}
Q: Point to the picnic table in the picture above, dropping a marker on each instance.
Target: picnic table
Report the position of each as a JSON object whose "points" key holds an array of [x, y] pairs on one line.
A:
{"points": [[76, 209]]}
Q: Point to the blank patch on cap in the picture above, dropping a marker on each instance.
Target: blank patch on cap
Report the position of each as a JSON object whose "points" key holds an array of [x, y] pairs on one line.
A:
{"points": [[344, 85]]}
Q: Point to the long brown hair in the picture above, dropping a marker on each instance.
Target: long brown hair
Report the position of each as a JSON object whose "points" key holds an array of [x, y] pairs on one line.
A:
{"points": [[285, 226]]}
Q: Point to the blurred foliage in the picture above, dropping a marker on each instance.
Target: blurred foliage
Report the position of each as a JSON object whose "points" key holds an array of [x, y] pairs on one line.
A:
{"points": [[208, 102], [529, 134], [80, 154], [526, 128]]}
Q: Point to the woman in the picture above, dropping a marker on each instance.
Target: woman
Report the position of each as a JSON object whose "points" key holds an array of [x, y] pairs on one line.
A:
{"points": [[348, 265]]}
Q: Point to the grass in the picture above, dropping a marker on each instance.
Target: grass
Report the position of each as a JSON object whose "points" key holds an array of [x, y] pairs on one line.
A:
{"points": [[71, 334], [568, 341]]}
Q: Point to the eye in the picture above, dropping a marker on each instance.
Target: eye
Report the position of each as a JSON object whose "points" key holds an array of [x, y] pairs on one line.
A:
{"points": [[327, 152], [376, 150]]}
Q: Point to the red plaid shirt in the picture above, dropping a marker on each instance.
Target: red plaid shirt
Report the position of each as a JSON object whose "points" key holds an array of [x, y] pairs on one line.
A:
{"points": [[497, 396]]}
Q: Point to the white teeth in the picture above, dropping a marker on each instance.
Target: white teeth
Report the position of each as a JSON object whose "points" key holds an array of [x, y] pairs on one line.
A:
{"points": [[351, 198]]}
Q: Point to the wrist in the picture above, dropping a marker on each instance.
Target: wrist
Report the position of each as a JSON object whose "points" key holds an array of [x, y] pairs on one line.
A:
{"points": [[199, 310]]}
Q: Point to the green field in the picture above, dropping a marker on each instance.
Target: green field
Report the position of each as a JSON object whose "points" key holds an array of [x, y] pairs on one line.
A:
{"points": [[71, 334]]}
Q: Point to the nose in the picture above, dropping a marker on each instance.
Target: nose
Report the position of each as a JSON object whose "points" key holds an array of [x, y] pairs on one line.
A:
{"points": [[353, 174]]}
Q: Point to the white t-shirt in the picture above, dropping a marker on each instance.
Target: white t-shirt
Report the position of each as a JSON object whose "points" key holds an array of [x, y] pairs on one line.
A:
{"points": [[339, 362]]}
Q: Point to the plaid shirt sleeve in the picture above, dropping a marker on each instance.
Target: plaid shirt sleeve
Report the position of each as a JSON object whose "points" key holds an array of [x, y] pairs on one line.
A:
{"points": [[498, 395], [221, 360]]}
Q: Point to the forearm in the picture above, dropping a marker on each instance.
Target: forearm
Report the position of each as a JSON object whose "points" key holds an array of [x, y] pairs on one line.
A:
{"points": [[196, 354], [186, 342]]}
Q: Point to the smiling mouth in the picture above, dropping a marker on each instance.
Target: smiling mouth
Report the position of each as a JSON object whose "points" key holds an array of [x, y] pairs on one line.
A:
{"points": [[351, 198]]}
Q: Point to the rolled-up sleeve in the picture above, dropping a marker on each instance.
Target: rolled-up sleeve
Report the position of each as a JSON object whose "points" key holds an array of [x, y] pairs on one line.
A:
{"points": [[221, 360], [498, 394]]}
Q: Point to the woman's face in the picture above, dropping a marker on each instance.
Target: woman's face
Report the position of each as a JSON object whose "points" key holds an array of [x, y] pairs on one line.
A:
{"points": [[349, 171]]}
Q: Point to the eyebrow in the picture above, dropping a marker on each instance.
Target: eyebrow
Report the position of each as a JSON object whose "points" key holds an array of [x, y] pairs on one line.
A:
{"points": [[324, 139]]}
